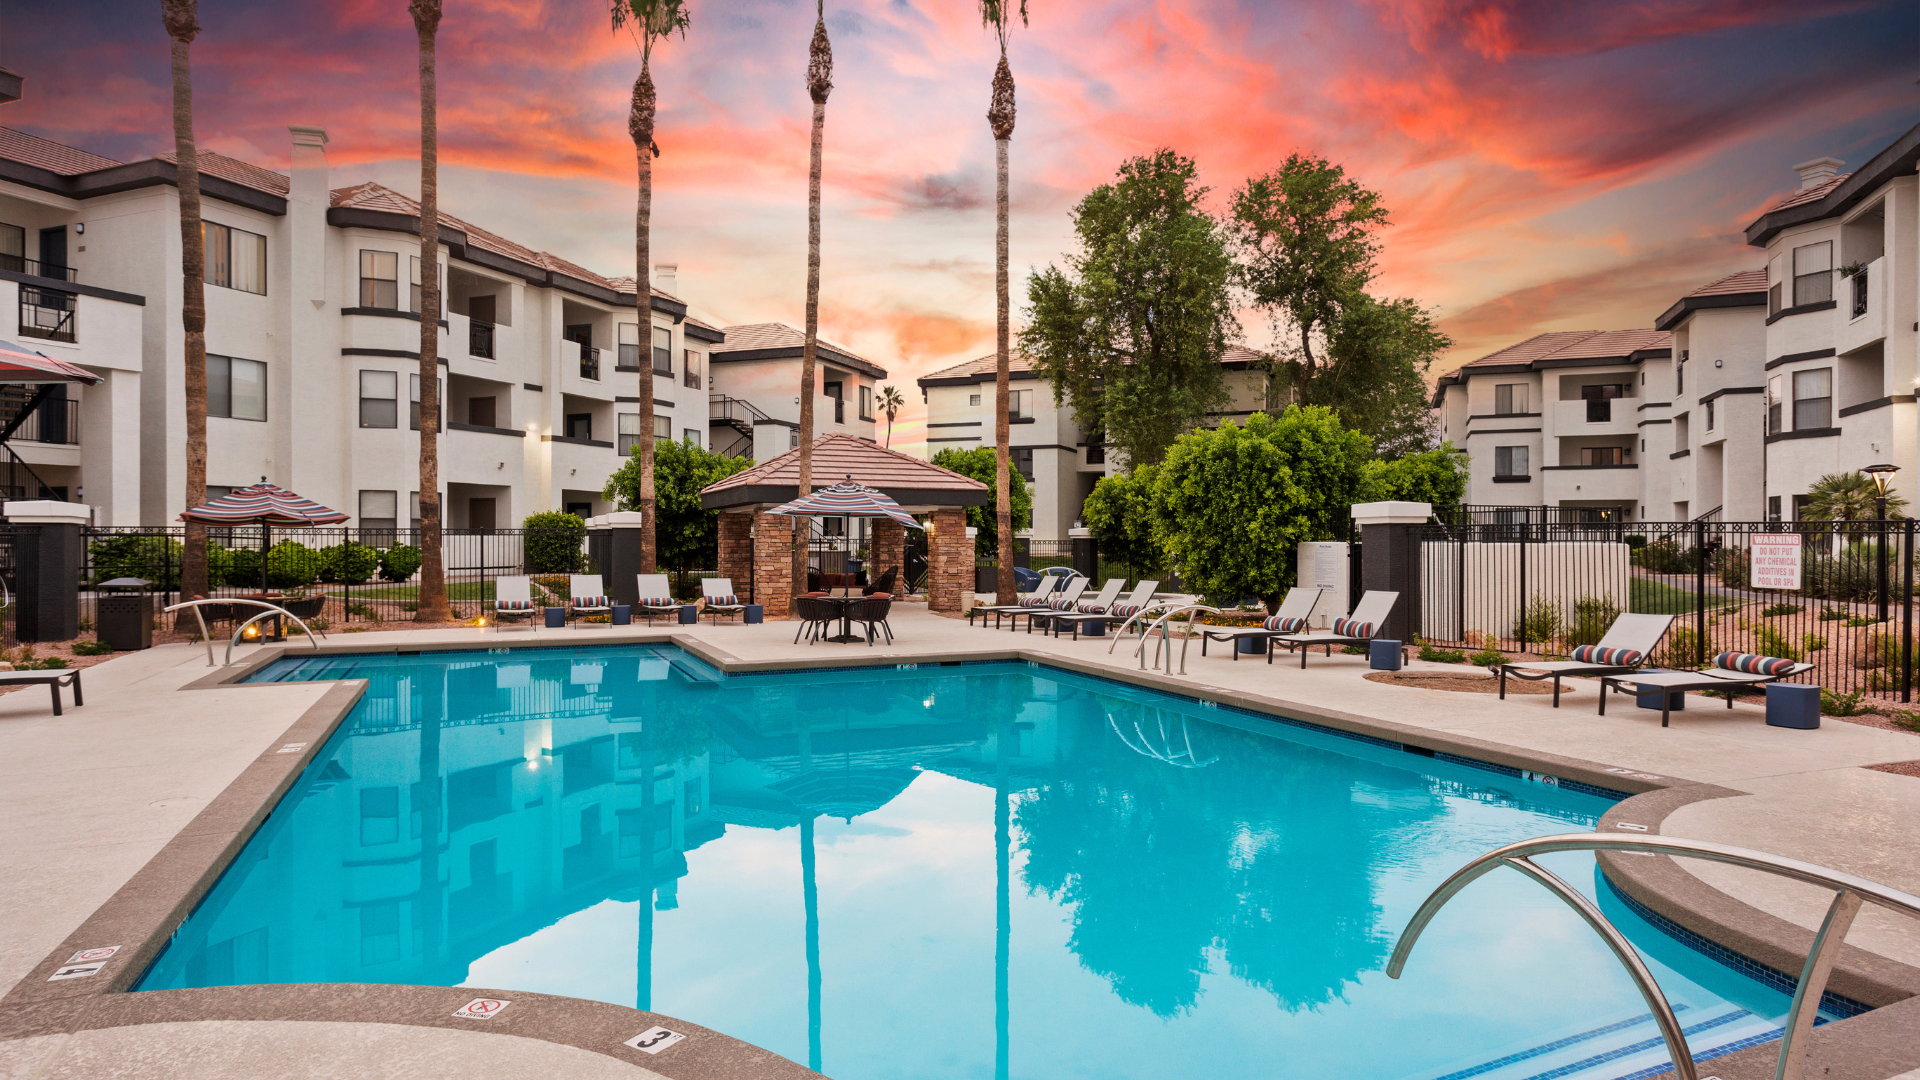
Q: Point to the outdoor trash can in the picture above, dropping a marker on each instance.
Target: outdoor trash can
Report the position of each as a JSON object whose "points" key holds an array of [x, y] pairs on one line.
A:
{"points": [[754, 613], [1383, 655], [1676, 700], [1793, 705], [556, 617], [123, 618], [623, 614], [689, 615]]}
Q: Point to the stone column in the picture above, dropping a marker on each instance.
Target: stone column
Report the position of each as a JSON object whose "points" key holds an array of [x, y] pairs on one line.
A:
{"points": [[47, 568], [949, 560], [736, 552], [1389, 559], [887, 549], [773, 564]]}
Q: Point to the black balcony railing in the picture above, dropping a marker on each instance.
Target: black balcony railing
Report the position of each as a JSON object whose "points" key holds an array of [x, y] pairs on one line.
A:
{"points": [[1860, 293], [589, 363], [480, 340], [53, 422], [47, 313], [20, 264], [1599, 411]]}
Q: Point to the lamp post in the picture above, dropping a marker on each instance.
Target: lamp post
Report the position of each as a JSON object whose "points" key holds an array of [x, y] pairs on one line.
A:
{"points": [[1882, 476]]}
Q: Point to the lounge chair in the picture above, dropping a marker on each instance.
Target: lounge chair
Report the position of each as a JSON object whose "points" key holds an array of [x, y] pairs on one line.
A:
{"points": [[1627, 644], [53, 680], [1119, 609], [1292, 618], [1063, 602], [1041, 591], [655, 597], [1730, 671], [1368, 619], [513, 598], [1104, 599], [718, 594], [589, 596]]}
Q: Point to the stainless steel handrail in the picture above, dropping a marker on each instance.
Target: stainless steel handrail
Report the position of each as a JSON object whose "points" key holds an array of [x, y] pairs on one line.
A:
{"points": [[1851, 893], [1165, 644], [271, 610], [1146, 613]]}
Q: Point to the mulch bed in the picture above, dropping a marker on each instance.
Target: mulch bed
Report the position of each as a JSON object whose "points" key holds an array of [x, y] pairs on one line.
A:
{"points": [[1463, 683], [1902, 768]]}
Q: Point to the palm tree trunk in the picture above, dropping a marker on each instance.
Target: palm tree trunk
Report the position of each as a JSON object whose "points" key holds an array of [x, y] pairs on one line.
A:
{"points": [[640, 125], [1000, 118], [433, 573], [819, 84], [182, 23]]}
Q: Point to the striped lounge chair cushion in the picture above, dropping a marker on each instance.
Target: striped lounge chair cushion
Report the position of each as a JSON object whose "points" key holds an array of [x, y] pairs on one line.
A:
{"points": [[1352, 628], [1091, 607], [1594, 654], [1122, 611], [658, 601], [1752, 664], [591, 601], [514, 605], [722, 601], [1285, 624], [1037, 603], [1063, 604]]}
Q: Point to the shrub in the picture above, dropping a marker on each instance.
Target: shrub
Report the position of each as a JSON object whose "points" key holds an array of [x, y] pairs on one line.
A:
{"points": [[1812, 642], [1776, 610], [1841, 704], [1854, 575], [155, 558], [348, 563], [365, 611], [1733, 566], [1635, 541], [1863, 620], [1592, 615], [1543, 622], [292, 565], [1769, 641], [553, 542], [1666, 556], [1682, 648], [1434, 654], [399, 562], [1828, 614], [1906, 721], [237, 568], [1488, 656], [91, 648]]}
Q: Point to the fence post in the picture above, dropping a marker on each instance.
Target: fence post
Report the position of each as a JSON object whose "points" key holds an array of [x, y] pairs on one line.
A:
{"points": [[1388, 539], [1526, 530], [1906, 614], [1699, 592], [1086, 555]]}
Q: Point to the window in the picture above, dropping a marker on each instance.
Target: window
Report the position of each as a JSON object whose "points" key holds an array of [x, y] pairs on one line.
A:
{"points": [[1021, 458], [692, 436], [413, 407], [1096, 454], [1680, 375], [1773, 508], [1510, 399], [1776, 283], [1813, 273], [1710, 406], [1859, 293], [413, 510], [380, 279], [1774, 397], [1603, 455], [1019, 404], [629, 359], [379, 510], [1812, 399], [380, 400], [866, 403], [1510, 461], [1599, 399], [13, 248], [834, 390], [379, 815], [236, 259], [413, 283], [662, 351], [236, 388], [692, 361], [629, 436], [662, 427], [973, 400]]}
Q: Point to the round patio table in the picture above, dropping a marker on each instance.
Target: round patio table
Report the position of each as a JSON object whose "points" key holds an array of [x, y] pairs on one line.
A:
{"points": [[845, 603]]}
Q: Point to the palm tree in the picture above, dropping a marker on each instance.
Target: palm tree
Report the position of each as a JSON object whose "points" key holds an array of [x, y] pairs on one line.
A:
{"points": [[819, 85], [891, 403], [998, 15], [432, 605], [648, 21], [181, 18], [1847, 497]]}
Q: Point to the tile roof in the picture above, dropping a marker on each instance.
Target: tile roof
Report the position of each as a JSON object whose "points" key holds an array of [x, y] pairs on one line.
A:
{"points": [[1806, 195], [226, 168], [837, 456], [773, 335], [47, 154], [1018, 364], [1573, 345], [1746, 281]]}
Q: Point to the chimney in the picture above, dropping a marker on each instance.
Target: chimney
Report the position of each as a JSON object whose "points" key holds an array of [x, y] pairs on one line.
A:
{"points": [[307, 214], [1818, 171], [664, 275]]}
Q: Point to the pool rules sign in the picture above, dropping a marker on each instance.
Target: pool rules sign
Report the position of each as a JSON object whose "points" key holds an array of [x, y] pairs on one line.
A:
{"points": [[1776, 561]]}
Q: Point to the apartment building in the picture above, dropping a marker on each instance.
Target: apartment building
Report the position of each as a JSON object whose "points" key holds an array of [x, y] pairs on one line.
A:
{"points": [[755, 410], [313, 309], [1060, 461]]}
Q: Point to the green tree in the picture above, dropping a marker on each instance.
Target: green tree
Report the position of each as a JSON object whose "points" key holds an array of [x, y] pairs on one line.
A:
{"points": [[980, 464], [1847, 497], [1378, 353], [890, 404], [688, 534], [1119, 514], [1436, 476], [1131, 332], [998, 16], [1232, 503]]}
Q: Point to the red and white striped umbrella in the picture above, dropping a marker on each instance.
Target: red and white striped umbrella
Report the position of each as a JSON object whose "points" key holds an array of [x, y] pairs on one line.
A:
{"points": [[847, 499], [264, 504], [23, 365]]}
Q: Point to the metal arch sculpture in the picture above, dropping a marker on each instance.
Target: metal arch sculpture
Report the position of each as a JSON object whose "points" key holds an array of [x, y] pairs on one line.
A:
{"points": [[1850, 893]]}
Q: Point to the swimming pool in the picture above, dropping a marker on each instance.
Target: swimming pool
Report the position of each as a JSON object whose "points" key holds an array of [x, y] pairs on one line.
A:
{"points": [[942, 871]]}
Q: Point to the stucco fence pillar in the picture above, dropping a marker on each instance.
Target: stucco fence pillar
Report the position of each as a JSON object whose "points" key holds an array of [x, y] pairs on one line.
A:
{"points": [[773, 563], [736, 552], [1388, 560], [949, 558], [887, 549]]}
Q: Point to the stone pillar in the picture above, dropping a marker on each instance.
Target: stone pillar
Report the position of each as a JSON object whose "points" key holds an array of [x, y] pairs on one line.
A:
{"points": [[620, 573], [1389, 559], [887, 549], [773, 563], [736, 552], [47, 568], [949, 559]]}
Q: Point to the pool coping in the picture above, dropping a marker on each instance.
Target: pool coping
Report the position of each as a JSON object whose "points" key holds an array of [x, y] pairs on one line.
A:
{"points": [[147, 909]]}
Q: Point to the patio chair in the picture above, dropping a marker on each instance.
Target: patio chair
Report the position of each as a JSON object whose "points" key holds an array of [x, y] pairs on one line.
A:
{"points": [[884, 584], [1627, 644], [1063, 602], [1118, 609], [513, 598], [718, 594], [1290, 619], [816, 616], [872, 611], [307, 609], [53, 680], [656, 598], [589, 597], [1730, 671], [1041, 590], [1368, 619]]}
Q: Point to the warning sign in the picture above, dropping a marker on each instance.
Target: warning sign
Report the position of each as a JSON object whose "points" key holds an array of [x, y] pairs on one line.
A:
{"points": [[77, 971], [87, 955], [653, 1040], [481, 1009], [1776, 561]]}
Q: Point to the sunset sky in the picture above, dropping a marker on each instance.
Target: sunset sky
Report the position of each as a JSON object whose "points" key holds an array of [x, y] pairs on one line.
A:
{"points": [[1548, 166]]}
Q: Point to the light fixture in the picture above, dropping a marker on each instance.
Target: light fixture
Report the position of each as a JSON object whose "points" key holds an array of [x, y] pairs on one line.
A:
{"points": [[1719, 363], [80, 228], [1882, 476]]}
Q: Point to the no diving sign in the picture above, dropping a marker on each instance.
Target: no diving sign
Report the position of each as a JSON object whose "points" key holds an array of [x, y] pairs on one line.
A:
{"points": [[481, 1009], [89, 955], [655, 1039]]}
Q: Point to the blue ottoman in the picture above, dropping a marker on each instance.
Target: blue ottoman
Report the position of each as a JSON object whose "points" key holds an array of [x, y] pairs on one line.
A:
{"points": [[754, 613], [1252, 646], [689, 615], [623, 614], [556, 617], [1093, 628], [1676, 700], [1793, 705], [1383, 655]]}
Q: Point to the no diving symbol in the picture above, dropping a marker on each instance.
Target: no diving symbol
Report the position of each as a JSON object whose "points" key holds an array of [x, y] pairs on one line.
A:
{"points": [[481, 1009], [87, 955]]}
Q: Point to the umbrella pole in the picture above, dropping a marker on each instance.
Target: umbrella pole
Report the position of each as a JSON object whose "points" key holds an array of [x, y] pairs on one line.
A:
{"points": [[266, 541]]}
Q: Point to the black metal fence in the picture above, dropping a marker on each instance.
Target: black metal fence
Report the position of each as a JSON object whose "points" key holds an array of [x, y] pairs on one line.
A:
{"points": [[1835, 594]]}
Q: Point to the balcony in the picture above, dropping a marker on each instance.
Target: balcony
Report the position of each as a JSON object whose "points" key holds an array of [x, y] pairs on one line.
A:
{"points": [[48, 314], [480, 340], [590, 363], [1614, 416], [20, 264], [1864, 299], [53, 423]]}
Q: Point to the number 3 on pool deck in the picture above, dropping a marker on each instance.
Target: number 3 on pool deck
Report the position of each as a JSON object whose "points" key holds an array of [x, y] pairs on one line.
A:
{"points": [[654, 1040]]}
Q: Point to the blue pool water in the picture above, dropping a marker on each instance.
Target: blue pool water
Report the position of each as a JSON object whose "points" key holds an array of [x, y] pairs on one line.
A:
{"points": [[993, 870]]}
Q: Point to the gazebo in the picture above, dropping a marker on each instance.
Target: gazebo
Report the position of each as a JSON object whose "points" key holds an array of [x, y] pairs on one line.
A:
{"points": [[758, 546]]}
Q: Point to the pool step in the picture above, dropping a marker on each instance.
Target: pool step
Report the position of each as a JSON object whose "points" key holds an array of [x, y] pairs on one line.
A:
{"points": [[1624, 1050]]}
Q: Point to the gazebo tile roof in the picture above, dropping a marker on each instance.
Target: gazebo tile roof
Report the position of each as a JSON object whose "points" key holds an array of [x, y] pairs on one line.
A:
{"points": [[837, 456]]}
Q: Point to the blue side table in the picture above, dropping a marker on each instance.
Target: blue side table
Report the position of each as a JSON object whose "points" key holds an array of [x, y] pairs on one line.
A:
{"points": [[1093, 628], [623, 614], [754, 613], [1383, 655], [689, 614], [1676, 700], [1793, 705], [1250, 645], [556, 617]]}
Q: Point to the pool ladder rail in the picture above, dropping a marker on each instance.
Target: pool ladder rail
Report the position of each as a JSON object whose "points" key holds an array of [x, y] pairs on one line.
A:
{"points": [[270, 611], [1850, 893], [1160, 613]]}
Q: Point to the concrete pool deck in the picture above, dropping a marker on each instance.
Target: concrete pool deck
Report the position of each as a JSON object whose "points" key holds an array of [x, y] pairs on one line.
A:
{"points": [[155, 762]]}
